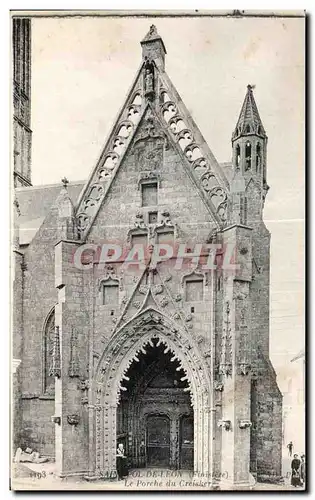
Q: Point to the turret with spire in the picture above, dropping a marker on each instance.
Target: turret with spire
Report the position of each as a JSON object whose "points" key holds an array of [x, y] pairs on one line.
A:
{"points": [[249, 141]]}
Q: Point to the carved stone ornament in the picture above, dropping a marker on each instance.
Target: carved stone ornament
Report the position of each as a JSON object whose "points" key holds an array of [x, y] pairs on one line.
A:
{"points": [[73, 419], [139, 227], [149, 80], [157, 289], [225, 369], [55, 368], [239, 292], [225, 424], [218, 386], [56, 420], [125, 298], [178, 297], [207, 352], [84, 386], [109, 274], [74, 360], [149, 175], [194, 273], [244, 368], [163, 301], [139, 222], [244, 424], [109, 161], [184, 137]]}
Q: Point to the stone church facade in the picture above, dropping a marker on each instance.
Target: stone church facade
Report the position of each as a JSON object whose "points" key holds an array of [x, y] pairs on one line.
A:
{"points": [[169, 356]]}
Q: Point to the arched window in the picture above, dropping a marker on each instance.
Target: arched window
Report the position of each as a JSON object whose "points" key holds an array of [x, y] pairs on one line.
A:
{"points": [[258, 158], [49, 332], [259, 130], [248, 155], [247, 130], [238, 155]]}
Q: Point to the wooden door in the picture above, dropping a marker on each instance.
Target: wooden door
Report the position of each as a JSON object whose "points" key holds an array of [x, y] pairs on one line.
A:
{"points": [[187, 442], [158, 441]]}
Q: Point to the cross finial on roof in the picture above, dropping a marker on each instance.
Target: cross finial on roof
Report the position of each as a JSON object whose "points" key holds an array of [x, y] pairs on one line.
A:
{"points": [[65, 182], [249, 121]]}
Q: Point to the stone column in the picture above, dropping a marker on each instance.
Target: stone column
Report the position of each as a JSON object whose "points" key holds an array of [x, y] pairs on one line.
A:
{"points": [[71, 315], [235, 363]]}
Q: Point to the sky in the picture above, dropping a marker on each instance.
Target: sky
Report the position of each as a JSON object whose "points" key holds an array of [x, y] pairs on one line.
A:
{"points": [[82, 69]]}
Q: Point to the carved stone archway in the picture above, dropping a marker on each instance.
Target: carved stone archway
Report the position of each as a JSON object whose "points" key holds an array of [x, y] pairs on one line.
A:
{"points": [[117, 357]]}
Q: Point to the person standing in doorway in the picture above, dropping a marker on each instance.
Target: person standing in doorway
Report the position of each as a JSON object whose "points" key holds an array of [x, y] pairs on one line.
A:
{"points": [[142, 454], [290, 448], [121, 459]]}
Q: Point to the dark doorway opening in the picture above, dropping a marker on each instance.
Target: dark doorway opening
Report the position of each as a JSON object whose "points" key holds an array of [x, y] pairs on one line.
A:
{"points": [[155, 416]]}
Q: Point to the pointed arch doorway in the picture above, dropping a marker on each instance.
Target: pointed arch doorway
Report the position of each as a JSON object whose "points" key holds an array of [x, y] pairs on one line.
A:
{"points": [[151, 356], [154, 403]]}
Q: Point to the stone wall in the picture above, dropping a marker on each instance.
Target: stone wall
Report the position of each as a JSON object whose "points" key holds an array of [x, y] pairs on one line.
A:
{"points": [[40, 296], [37, 430], [266, 432]]}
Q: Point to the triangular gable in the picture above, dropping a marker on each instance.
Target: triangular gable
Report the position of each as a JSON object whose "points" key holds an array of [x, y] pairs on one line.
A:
{"points": [[110, 158], [180, 128], [153, 293]]}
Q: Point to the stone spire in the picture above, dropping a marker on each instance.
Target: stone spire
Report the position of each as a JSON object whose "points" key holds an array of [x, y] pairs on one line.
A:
{"points": [[249, 122], [66, 215], [153, 48]]}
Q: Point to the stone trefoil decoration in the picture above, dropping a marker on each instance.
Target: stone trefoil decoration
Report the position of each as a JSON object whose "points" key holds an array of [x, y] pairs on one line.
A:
{"points": [[55, 367], [110, 159], [157, 289], [74, 360], [199, 163]]}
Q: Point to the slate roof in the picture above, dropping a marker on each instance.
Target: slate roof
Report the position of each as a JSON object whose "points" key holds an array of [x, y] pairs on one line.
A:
{"points": [[249, 115], [35, 203]]}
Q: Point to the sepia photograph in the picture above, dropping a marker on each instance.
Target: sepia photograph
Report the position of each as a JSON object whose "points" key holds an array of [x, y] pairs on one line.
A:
{"points": [[157, 194]]}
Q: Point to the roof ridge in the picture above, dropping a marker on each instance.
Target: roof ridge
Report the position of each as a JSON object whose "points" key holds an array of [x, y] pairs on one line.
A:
{"points": [[46, 186]]}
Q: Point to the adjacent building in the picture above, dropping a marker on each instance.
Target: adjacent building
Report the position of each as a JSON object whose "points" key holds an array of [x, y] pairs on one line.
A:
{"points": [[169, 357], [22, 133]]}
